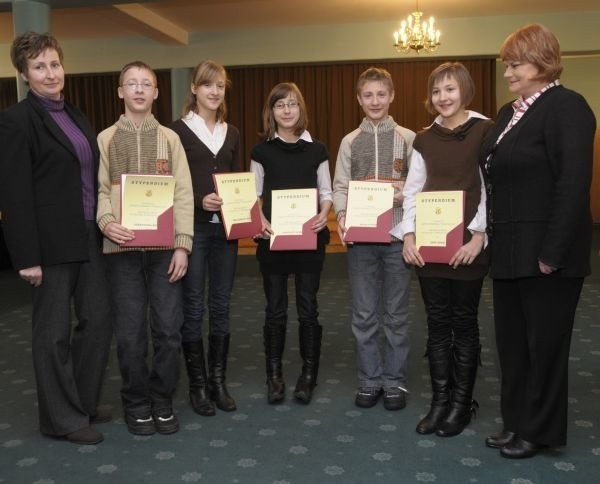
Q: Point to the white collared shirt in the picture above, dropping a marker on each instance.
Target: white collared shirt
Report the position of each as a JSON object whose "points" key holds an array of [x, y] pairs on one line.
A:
{"points": [[521, 105], [213, 141]]}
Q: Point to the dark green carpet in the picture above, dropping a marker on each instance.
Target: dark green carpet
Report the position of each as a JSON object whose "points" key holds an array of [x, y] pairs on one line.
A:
{"points": [[329, 441]]}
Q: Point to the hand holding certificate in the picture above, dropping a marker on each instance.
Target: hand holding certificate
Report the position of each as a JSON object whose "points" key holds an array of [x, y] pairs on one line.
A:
{"points": [[369, 211], [439, 228], [147, 209], [292, 215], [240, 209]]}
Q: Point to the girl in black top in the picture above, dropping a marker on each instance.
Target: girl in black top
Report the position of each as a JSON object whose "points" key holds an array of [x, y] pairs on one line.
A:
{"points": [[289, 158]]}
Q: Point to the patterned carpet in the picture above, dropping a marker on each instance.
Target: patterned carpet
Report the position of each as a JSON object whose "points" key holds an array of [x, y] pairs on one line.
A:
{"points": [[329, 441]]}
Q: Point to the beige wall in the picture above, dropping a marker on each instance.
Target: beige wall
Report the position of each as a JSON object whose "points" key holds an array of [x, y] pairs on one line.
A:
{"points": [[577, 31]]}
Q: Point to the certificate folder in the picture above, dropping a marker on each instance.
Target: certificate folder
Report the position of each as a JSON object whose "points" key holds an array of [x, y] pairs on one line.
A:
{"points": [[147, 209], [379, 233], [369, 212], [293, 213], [439, 224], [240, 210]]}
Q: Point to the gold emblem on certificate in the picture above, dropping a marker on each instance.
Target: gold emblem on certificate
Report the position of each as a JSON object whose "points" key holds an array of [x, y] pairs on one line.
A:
{"points": [[369, 211], [240, 210], [439, 224], [147, 209], [292, 214]]}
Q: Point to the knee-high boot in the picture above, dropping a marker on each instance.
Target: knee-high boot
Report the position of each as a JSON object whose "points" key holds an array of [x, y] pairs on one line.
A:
{"points": [[193, 353], [462, 405], [310, 351], [439, 371], [218, 349], [274, 341]]}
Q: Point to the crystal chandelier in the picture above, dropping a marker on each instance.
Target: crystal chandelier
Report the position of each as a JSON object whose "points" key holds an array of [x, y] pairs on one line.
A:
{"points": [[416, 34]]}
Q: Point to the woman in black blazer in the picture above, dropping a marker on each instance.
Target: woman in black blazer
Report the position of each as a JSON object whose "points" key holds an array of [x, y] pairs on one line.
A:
{"points": [[538, 165], [48, 193]]}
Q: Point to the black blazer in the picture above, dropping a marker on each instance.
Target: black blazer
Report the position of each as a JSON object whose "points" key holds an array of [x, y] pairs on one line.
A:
{"points": [[539, 178], [40, 186]]}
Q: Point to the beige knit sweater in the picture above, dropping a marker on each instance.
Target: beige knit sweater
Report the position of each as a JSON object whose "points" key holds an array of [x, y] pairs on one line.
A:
{"points": [[149, 149]]}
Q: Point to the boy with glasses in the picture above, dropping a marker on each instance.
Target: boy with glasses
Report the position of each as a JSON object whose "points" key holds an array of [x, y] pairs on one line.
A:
{"points": [[145, 276]]}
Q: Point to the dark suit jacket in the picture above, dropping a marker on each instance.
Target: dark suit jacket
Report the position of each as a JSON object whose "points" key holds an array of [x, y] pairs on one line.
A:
{"points": [[40, 186], [539, 187]]}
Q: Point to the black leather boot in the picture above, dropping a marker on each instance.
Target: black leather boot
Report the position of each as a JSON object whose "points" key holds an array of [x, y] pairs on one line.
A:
{"points": [[193, 353], [274, 341], [218, 348], [310, 351], [439, 371], [462, 405]]}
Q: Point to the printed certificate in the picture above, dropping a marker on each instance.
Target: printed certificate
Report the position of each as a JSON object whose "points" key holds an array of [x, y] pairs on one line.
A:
{"points": [[439, 226], [147, 209], [292, 214], [240, 209], [369, 211]]}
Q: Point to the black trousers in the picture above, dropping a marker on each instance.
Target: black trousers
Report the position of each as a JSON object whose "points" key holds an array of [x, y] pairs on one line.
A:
{"points": [[451, 307], [69, 361], [534, 321], [307, 287]]}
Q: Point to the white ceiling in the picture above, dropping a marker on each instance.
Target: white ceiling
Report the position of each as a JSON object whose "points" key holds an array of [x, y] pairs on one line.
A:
{"points": [[172, 21]]}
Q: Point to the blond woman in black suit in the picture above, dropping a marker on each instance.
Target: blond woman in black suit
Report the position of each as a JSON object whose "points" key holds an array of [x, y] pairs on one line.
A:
{"points": [[538, 164]]}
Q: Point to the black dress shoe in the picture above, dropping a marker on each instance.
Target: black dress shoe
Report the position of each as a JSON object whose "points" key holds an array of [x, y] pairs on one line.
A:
{"points": [[100, 417], [85, 436], [500, 439], [520, 449]]}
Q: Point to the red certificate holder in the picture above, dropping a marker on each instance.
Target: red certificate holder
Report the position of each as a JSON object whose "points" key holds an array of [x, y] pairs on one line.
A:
{"points": [[445, 210], [306, 241], [246, 229], [454, 241], [378, 234], [369, 212], [146, 197], [238, 191], [162, 236]]}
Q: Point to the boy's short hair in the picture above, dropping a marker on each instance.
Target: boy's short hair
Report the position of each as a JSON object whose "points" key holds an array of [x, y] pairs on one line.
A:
{"points": [[375, 74], [29, 45], [140, 65], [457, 71], [281, 91]]}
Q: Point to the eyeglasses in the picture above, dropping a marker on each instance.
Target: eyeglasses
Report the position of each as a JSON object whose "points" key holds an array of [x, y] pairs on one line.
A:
{"points": [[281, 105], [132, 86]]}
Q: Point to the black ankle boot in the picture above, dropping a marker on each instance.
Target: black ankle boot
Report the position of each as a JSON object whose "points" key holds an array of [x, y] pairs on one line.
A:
{"points": [[462, 405], [193, 353], [218, 348], [274, 341], [310, 351], [439, 371]]}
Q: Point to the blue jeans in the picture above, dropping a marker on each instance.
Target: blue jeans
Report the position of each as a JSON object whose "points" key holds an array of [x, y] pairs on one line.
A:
{"points": [[211, 253], [139, 280], [379, 283]]}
